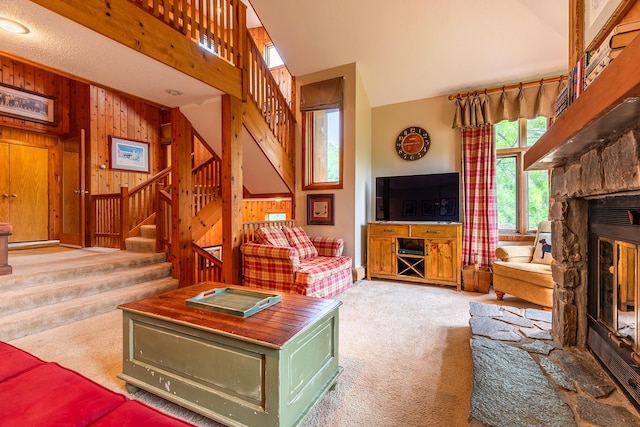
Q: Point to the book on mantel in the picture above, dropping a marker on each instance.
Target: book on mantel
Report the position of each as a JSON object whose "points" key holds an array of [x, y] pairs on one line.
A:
{"points": [[622, 39], [598, 59]]}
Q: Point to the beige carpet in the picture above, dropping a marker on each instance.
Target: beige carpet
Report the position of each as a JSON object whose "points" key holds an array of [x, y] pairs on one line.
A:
{"points": [[404, 348]]}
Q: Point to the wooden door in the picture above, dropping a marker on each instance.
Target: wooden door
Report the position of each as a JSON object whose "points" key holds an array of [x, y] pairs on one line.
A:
{"points": [[73, 193], [28, 193], [4, 182]]}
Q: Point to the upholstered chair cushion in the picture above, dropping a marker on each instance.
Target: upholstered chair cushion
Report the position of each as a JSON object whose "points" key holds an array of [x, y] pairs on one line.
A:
{"points": [[271, 236], [298, 239]]}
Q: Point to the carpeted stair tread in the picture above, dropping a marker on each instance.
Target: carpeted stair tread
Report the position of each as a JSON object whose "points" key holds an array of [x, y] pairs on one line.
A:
{"points": [[82, 267], [18, 299], [140, 244], [23, 323]]}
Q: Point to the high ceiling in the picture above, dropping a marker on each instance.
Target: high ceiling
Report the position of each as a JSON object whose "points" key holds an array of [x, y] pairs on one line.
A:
{"points": [[414, 49]]}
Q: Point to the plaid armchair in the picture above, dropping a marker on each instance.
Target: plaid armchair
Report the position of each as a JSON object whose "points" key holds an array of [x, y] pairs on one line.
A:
{"points": [[287, 260]]}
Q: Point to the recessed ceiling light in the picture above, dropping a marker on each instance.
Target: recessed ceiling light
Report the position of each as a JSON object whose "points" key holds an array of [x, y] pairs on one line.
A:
{"points": [[13, 26], [173, 92]]}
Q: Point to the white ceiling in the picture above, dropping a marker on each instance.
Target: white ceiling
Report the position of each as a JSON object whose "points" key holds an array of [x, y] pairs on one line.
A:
{"points": [[415, 49]]}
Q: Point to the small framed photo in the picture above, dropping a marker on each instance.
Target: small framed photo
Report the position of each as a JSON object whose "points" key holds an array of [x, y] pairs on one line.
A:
{"points": [[129, 155], [27, 105], [320, 209], [409, 208]]}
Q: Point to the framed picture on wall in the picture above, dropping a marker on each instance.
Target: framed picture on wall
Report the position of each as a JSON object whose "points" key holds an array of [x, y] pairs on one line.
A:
{"points": [[600, 16], [320, 209], [128, 155], [27, 105]]}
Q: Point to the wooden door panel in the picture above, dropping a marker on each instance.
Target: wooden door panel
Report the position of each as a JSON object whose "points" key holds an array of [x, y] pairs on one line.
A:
{"points": [[29, 193], [441, 260], [382, 256], [4, 183]]}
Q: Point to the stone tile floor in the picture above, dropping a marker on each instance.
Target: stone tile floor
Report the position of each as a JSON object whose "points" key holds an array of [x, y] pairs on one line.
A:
{"points": [[523, 378]]}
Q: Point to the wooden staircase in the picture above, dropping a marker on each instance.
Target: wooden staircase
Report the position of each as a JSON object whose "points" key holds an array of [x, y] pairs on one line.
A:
{"points": [[51, 289]]}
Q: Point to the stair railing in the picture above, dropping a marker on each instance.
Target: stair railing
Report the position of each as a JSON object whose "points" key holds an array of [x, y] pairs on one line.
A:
{"points": [[206, 267], [116, 216], [206, 180], [265, 93]]}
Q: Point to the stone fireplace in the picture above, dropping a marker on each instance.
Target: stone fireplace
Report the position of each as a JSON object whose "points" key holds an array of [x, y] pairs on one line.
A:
{"points": [[596, 244]]}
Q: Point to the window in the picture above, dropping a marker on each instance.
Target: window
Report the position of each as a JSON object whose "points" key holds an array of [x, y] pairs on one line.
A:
{"points": [[523, 196], [322, 130], [276, 216], [272, 56]]}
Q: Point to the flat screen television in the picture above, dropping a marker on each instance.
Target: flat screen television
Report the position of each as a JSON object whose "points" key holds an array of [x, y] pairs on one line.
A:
{"points": [[430, 197]]}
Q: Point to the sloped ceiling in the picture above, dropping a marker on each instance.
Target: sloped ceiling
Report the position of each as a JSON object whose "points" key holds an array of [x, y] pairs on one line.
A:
{"points": [[405, 50], [415, 49]]}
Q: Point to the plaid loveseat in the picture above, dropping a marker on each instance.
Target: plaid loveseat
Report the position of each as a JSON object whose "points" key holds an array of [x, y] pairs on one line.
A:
{"points": [[287, 260]]}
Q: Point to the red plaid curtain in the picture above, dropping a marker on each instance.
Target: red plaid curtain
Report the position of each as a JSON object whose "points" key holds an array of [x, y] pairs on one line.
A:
{"points": [[480, 235]]}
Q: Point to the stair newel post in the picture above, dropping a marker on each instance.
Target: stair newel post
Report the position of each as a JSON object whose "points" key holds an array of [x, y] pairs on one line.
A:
{"points": [[124, 216]]}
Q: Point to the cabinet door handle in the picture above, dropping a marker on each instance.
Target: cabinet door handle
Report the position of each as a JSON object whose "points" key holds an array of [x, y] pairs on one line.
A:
{"points": [[5, 195], [432, 232], [389, 230], [393, 247], [14, 195], [426, 250]]}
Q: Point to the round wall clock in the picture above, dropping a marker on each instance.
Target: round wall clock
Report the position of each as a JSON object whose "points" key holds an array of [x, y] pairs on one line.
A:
{"points": [[412, 143]]}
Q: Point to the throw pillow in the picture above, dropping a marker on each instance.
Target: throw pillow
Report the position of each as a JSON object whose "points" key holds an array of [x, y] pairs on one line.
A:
{"points": [[298, 239], [542, 251], [271, 236]]}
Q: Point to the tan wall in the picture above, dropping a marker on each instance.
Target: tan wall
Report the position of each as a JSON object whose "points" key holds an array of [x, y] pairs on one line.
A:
{"points": [[435, 115]]}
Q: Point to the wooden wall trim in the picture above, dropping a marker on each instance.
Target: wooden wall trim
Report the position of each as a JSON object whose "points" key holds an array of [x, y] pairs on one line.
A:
{"points": [[125, 23]]}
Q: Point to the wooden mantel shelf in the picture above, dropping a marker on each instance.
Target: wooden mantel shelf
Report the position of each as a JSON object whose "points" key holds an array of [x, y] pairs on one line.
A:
{"points": [[610, 105]]}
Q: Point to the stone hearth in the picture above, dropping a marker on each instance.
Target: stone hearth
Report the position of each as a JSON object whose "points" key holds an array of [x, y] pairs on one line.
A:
{"points": [[522, 377]]}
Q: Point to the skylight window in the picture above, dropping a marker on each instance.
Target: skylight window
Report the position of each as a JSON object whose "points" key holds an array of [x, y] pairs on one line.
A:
{"points": [[272, 56]]}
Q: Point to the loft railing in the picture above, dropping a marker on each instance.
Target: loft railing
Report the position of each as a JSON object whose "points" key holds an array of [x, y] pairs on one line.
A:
{"points": [[265, 92], [220, 26], [217, 25]]}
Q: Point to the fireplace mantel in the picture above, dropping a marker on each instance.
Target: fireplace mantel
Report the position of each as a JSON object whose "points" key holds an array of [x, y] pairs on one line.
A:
{"points": [[608, 107]]}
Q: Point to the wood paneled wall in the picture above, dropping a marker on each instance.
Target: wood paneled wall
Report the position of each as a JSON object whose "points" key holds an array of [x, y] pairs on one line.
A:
{"points": [[116, 114], [30, 77], [252, 211], [256, 210]]}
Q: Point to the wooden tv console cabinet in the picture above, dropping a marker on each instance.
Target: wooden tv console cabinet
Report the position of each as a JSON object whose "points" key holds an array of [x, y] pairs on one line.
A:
{"points": [[424, 252]]}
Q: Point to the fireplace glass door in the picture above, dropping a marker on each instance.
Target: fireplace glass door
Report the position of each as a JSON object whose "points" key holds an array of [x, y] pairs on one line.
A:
{"points": [[618, 284]]}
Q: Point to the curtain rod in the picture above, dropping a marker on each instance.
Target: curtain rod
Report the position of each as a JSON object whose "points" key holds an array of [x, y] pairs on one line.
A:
{"points": [[511, 86]]}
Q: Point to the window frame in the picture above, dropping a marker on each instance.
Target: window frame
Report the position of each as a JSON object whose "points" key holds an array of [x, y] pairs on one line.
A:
{"points": [[308, 163], [522, 193]]}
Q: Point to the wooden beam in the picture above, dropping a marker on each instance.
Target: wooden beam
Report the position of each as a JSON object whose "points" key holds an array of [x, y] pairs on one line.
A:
{"points": [[181, 197], [125, 23], [232, 112]]}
